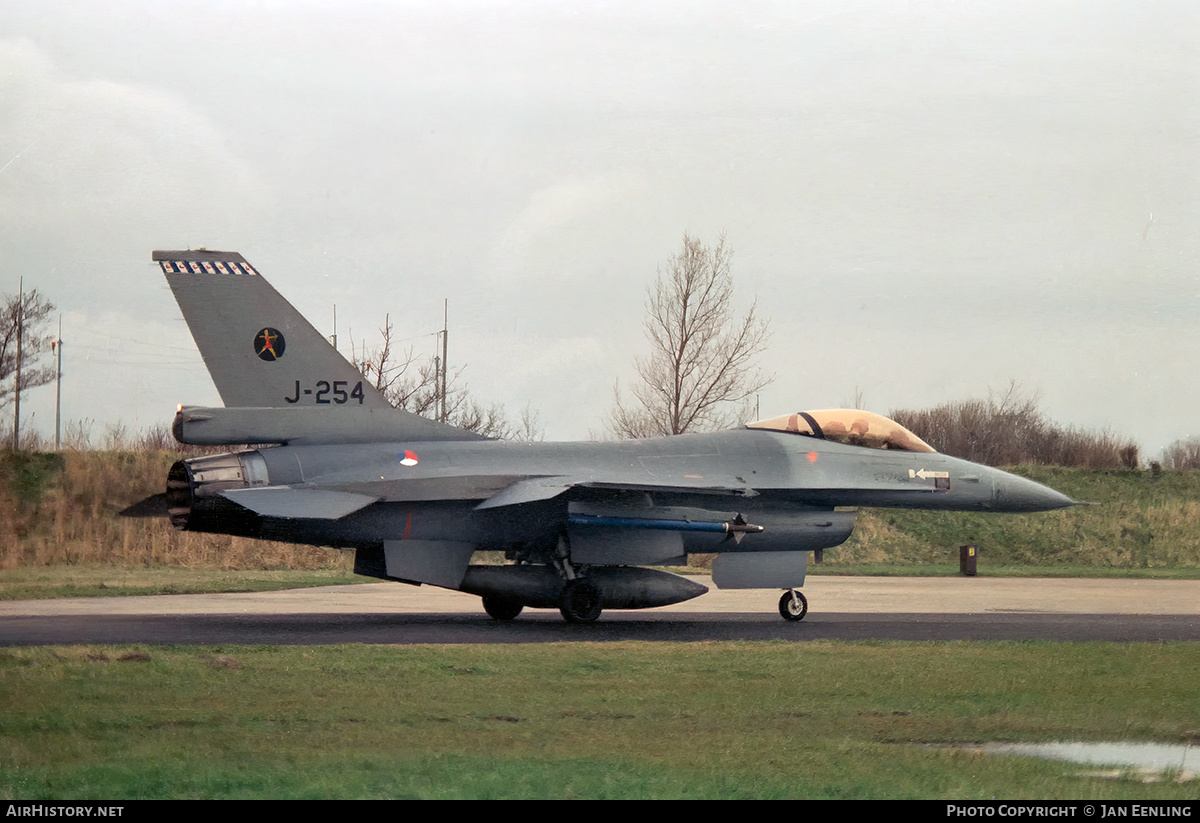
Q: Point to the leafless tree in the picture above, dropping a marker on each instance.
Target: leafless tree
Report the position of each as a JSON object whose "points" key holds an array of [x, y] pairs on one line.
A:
{"points": [[1010, 428], [28, 315], [700, 373], [1183, 454], [414, 384], [401, 377], [529, 428]]}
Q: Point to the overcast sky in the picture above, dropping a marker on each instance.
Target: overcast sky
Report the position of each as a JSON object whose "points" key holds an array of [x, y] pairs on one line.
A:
{"points": [[929, 199]]}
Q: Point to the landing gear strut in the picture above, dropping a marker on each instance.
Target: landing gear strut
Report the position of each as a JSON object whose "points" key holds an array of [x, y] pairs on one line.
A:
{"points": [[580, 600], [793, 605]]}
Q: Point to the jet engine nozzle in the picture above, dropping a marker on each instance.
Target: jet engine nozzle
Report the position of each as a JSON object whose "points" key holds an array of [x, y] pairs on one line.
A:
{"points": [[194, 487]]}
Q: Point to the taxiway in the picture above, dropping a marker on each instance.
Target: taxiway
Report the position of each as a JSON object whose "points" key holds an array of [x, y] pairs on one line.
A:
{"points": [[841, 608]]}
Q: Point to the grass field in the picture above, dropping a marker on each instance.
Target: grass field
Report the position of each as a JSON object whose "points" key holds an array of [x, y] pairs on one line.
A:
{"points": [[625, 720]]}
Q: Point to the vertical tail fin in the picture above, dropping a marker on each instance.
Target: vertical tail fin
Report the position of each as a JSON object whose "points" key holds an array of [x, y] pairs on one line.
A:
{"points": [[260, 351], [280, 379]]}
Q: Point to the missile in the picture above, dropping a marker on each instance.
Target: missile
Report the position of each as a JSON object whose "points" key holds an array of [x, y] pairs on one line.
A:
{"points": [[736, 528]]}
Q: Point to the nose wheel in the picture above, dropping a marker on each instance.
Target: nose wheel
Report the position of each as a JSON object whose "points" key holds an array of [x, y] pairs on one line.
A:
{"points": [[793, 606]]}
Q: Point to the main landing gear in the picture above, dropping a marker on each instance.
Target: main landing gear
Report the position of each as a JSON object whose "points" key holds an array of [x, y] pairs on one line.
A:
{"points": [[793, 605], [502, 608], [581, 601], [507, 590]]}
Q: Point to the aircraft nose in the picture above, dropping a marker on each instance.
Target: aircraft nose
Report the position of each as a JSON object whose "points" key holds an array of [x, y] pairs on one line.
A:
{"points": [[1019, 494]]}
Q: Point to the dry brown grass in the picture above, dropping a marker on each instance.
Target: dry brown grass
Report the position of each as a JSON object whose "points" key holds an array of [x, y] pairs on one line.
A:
{"points": [[69, 513]]}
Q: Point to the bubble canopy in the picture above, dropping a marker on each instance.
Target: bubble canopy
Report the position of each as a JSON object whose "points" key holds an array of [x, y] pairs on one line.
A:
{"points": [[853, 427]]}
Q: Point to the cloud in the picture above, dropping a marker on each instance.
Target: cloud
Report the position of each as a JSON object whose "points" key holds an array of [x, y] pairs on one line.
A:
{"points": [[556, 208], [89, 152]]}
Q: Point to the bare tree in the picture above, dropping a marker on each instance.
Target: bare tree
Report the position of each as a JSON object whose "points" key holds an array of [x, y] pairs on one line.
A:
{"points": [[28, 316], [1010, 428], [404, 381], [700, 374], [414, 384], [529, 428], [1183, 454]]}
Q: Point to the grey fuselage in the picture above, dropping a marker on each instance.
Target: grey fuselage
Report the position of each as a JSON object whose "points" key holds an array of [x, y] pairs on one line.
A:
{"points": [[498, 494]]}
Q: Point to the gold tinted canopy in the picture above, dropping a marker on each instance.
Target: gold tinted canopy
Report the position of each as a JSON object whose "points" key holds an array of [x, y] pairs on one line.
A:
{"points": [[851, 426]]}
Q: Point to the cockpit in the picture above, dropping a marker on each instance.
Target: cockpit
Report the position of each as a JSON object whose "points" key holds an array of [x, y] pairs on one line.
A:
{"points": [[853, 427]]}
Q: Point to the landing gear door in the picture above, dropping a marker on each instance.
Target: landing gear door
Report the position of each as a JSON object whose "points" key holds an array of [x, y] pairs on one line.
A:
{"points": [[760, 570]]}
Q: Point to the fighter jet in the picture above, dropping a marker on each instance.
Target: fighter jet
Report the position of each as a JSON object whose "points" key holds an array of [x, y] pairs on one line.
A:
{"points": [[578, 523]]}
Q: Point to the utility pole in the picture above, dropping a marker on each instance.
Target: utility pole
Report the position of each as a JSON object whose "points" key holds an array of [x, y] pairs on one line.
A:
{"points": [[56, 346], [17, 387], [445, 345]]}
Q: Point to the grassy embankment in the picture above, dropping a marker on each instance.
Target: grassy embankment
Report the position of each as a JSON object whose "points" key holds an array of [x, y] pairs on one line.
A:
{"points": [[60, 533], [1146, 522]]}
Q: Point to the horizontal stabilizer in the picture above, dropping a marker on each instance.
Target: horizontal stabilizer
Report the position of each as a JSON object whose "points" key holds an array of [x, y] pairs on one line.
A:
{"points": [[284, 501]]}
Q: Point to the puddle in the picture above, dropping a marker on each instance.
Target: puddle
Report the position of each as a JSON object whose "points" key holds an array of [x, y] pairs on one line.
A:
{"points": [[1179, 760]]}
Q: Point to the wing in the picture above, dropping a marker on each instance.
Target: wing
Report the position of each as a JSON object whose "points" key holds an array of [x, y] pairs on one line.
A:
{"points": [[546, 488]]}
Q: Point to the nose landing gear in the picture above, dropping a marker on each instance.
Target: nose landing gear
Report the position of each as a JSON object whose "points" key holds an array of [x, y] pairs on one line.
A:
{"points": [[793, 605]]}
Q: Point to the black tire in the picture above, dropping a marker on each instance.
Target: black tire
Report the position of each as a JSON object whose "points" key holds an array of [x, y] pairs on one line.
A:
{"points": [[502, 608], [793, 606], [580, 601]]}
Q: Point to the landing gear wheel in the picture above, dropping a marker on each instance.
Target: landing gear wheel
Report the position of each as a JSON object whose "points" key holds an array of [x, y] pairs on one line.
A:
{"points": [[502, 608], [580, 601], [793, 606]]}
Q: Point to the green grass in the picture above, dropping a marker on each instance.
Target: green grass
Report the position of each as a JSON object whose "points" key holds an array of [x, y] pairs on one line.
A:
{"points": [[619, 720], [1144, 521], [28, 475]]}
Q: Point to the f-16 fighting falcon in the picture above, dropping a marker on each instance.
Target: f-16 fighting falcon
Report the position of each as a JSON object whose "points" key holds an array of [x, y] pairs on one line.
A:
{"points": [[579, 523]]}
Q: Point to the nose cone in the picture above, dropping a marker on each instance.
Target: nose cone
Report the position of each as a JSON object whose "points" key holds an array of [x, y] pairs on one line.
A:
{"points": [[1019, 494]]}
